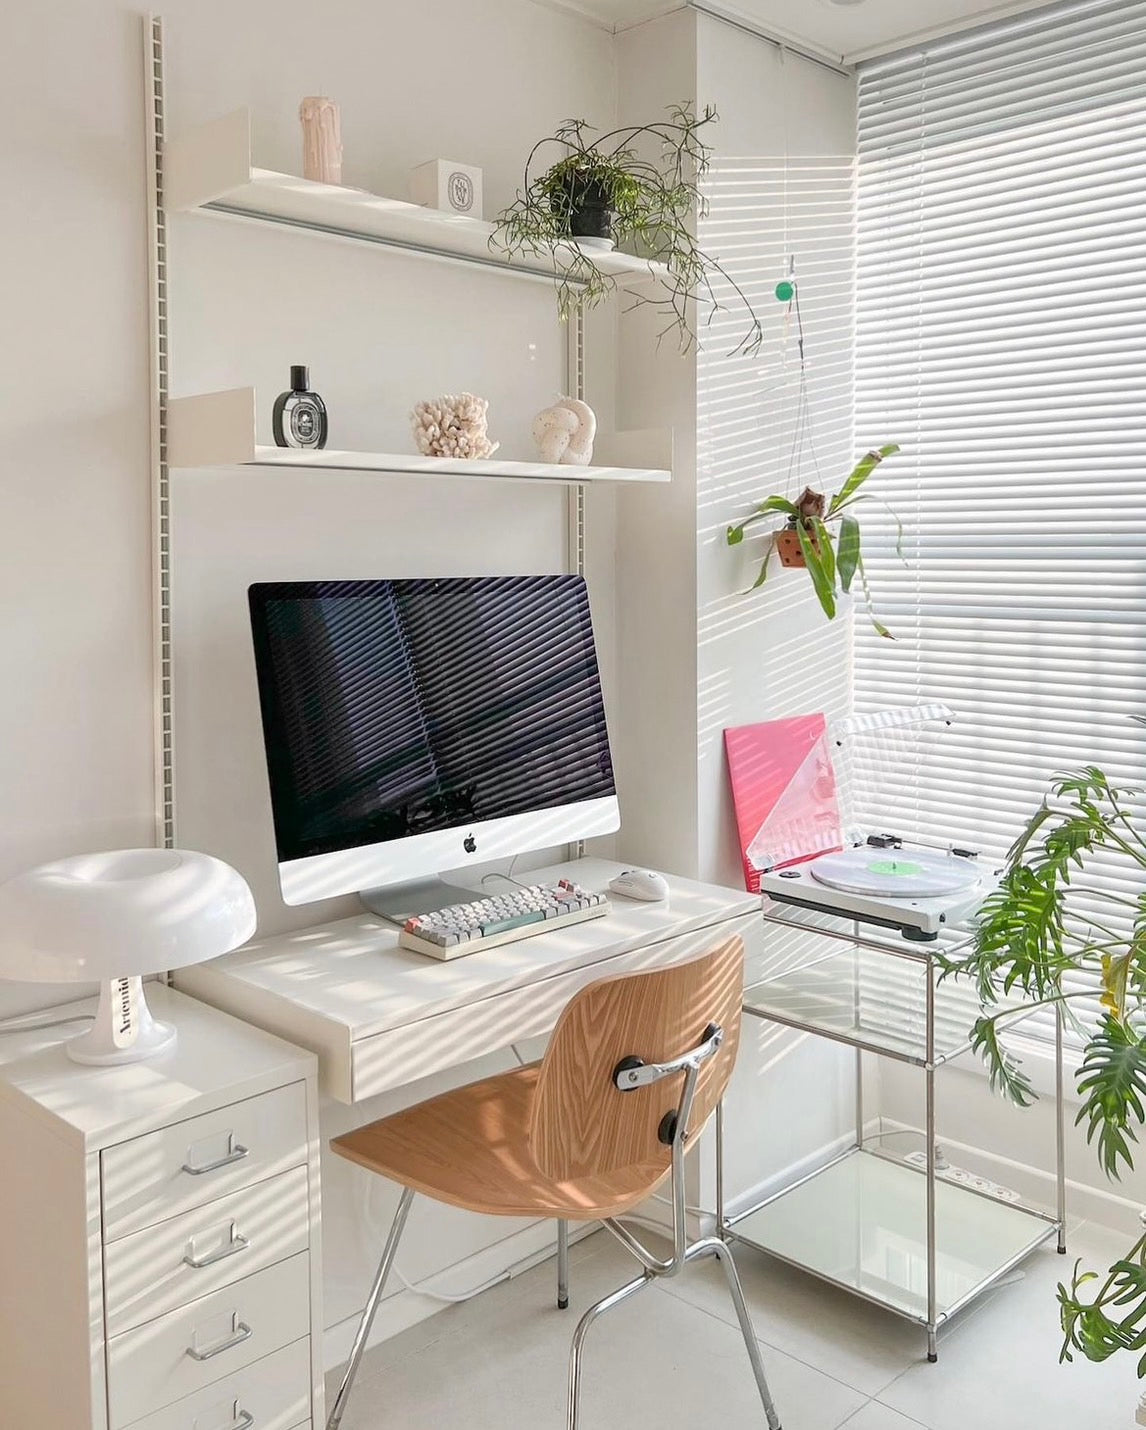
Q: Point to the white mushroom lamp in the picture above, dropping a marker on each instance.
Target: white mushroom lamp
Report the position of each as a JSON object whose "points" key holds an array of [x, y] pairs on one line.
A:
{"points": [[114, 918]]}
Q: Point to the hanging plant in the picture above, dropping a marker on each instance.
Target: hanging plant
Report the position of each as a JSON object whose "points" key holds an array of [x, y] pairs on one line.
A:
{"points": [[821, 535], [601, 193]]}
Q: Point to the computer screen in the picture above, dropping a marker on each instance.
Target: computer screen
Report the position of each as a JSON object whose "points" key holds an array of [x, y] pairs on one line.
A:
{"points": [[394, 711]]}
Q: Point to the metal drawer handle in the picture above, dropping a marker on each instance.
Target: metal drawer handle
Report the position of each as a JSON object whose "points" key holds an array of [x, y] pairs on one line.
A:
{"points": [[242, 1333], [234, 1246], [236, 1154], [243, 1419]]}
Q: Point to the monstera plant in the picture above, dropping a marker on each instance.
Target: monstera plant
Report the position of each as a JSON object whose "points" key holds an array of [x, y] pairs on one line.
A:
{"points": [[1061, 931]]}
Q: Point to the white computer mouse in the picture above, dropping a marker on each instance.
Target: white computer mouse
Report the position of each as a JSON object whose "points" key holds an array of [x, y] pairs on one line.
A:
{"points": [[640, 884]]}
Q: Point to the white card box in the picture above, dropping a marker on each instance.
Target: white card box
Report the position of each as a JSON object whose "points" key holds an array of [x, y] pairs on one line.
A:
{"points": [[447, 185]]}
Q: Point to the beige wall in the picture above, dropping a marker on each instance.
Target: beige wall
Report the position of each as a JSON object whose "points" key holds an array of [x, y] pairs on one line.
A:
{"points": [[445, 77]]}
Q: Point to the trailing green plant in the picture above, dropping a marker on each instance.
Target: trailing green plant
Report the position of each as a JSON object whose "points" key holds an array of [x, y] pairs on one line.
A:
{"points": [[1049, 926], [653, 202], [827, 533]]}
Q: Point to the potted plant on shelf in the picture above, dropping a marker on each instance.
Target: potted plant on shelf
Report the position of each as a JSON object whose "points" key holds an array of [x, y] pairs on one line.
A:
{"points": [[1056, 922], [604, 191], [832, 557]]}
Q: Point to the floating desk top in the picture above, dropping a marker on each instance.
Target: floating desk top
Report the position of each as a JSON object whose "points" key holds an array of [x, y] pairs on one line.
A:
{"points": [[380, 1016]]}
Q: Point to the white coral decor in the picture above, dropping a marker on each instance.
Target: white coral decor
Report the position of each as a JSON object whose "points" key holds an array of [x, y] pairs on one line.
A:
{"points": [[453, 426]]}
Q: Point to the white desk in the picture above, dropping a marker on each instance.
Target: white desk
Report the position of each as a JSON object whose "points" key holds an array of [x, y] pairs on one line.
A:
{"points": [[379, 1016]]}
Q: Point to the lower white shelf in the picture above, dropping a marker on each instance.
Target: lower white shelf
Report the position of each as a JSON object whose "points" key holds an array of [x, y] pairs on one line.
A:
{"points": [[861, 1223], [217, 429]]}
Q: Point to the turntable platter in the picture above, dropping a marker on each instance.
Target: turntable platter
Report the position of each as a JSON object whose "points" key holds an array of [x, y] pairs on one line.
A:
{"points": [[893, 873]]}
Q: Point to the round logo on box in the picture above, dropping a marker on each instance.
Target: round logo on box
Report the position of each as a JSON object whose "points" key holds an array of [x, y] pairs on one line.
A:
{"points": [[461, 191]]}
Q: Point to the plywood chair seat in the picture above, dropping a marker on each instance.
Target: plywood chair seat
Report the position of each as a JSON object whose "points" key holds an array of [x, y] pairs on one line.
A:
{"points": [[636, 1066], [470, 1148]]}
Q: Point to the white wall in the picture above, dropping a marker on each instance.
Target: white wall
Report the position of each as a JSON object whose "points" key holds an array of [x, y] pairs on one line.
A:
{"points": [[696, 654], [76, 726], [379, 331], [75, 723]]}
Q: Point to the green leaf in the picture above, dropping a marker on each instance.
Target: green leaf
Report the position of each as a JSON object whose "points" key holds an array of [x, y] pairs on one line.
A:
{"points": [[878, 626], [1004, 1071], [1088, 1325], [1112, 1082], [735, 534], [827, 551], [763, 576], [849, 549], [825, 589], [860, 473]]}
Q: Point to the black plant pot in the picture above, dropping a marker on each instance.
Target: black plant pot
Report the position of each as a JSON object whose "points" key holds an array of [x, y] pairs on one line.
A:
{"points": [[587, 202]]}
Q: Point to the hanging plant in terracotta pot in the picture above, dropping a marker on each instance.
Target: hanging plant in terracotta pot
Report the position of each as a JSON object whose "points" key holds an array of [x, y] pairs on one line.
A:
{"points": [[822, 536], [786, 542]]}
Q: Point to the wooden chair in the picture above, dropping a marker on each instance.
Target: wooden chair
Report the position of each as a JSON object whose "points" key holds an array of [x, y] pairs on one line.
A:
{"points": [[636, 1066]]}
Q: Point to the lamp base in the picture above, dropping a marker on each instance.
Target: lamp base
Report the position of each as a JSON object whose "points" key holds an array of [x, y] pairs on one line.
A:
{"points": [[124, 1030]]}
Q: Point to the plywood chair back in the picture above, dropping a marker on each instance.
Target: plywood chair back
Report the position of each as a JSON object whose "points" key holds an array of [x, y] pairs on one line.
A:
{"points": [[582, 1125]]}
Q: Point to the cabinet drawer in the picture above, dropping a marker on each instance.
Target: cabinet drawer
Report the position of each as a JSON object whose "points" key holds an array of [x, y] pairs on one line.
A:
{"points": [[215, 1336], [182, 1166], [150, 1273], [271, 1394]]}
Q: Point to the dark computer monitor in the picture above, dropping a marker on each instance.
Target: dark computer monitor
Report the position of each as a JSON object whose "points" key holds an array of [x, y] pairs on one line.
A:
{"points": [[416, 726]]}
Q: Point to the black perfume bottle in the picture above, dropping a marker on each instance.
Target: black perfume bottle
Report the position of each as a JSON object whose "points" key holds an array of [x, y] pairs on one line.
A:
{"points": [[299, 418]]}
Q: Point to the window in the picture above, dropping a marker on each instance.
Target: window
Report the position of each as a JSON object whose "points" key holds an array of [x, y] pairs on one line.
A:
{"points": [[1001, 332]]}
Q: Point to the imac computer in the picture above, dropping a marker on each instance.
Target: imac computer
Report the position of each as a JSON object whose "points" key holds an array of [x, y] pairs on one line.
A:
{"points": [[413, 727]]}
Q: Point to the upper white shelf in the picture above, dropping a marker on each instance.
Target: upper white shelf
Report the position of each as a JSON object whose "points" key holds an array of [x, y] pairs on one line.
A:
{"points": [[210, 168], [217, 429]]}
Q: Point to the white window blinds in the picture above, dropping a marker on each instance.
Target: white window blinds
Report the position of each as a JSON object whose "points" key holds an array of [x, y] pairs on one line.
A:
{"points": [[1001, 338]]}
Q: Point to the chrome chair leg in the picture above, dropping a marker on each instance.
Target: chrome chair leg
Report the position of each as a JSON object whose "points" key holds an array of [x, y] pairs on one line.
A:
{"points": [[714, 1246], [606, 1304], [372, 1303], [562, 1265]]}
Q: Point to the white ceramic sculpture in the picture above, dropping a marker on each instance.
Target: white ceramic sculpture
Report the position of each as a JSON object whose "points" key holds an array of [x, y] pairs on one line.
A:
{"points": [[564, 432], [453, 426], [321, 139]]}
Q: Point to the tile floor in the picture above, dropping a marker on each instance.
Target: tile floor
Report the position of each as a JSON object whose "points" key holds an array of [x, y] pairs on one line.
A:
{"points": [[672, 1357]]}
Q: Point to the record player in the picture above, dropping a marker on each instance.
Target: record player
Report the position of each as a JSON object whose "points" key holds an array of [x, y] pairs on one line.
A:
{"points": [[794, 789]]}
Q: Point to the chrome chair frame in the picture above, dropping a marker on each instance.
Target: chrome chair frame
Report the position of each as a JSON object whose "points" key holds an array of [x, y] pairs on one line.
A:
{"points": [[630, 1074]]}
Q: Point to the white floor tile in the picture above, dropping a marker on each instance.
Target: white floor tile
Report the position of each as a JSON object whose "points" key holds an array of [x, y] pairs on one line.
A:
{"points": [[653, 1364], [998, 1369], [875, 1416], [673, 1357], [841, 1335]]}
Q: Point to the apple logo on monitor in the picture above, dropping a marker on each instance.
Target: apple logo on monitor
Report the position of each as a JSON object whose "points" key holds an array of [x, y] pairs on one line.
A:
{"points": [[470, 844]]}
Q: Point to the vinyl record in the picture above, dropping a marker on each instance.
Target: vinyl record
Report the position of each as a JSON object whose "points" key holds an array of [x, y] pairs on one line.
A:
{"points": [[895, 873]]}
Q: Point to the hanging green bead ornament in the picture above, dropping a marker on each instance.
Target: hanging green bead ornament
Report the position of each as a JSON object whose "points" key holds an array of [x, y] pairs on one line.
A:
{"points": [[785, 290]]}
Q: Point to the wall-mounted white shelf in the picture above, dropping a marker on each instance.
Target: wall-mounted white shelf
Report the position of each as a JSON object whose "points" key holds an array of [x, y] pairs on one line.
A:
{"points": [[217, 429], [210, 168]]}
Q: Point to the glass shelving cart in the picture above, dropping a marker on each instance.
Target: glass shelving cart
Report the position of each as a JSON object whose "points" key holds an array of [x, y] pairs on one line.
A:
{"points": [[894, 1229]]}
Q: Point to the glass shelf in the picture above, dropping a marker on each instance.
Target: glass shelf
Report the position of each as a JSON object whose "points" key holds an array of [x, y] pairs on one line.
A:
{"points": [[869, 992], [861, 1223]]}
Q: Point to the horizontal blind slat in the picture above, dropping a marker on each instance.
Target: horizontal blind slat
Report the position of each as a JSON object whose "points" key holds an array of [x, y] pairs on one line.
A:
{"points": [[1001, 339]]}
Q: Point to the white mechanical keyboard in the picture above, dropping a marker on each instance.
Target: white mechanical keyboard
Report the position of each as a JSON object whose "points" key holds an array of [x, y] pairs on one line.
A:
{"points": [[464, 928]]}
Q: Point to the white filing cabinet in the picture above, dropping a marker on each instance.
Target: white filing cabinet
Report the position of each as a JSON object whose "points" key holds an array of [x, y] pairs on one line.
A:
{"points": [[159, 1257]]}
